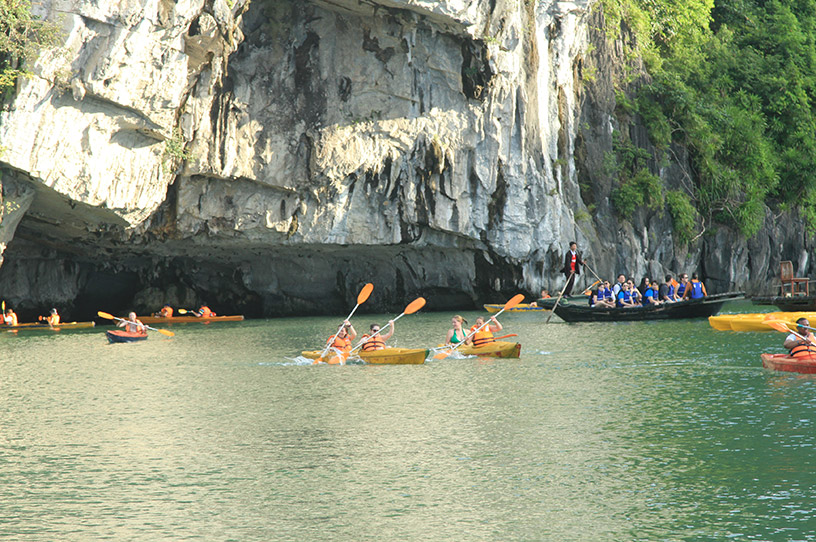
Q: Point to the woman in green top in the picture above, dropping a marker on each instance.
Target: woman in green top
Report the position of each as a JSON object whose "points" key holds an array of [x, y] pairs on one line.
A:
{"points": [[457, 334]]}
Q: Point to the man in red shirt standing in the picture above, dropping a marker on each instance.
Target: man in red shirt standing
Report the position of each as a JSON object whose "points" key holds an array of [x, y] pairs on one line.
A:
{"points": [[572, 266]]}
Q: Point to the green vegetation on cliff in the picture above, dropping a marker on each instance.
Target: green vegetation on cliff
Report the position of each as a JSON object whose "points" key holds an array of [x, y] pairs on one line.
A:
{"points": [[21, 36], [735, 83]]}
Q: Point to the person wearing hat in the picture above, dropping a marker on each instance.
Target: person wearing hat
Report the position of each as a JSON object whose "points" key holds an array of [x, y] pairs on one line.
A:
{"points": [[52, 319]]}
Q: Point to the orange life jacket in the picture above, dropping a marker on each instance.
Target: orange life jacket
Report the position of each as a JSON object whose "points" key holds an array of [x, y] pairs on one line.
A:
{"points": [[206, 312], [10, 319], [803, 351], [373, 344], [483, 337], [344, 344], [166, 312], [53, 319], [135, 327]]}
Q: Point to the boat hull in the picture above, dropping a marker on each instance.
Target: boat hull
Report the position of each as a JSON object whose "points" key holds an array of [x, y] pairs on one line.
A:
{"points": [[784, 362], [40, 325], [496, 349], [120, 336], [521, 307], [699, 308], [386, 356], [788, 304], [189, 319]]}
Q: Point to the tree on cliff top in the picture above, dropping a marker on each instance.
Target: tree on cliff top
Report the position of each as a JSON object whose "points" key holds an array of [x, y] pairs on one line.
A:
{"points": [[22, 34]]}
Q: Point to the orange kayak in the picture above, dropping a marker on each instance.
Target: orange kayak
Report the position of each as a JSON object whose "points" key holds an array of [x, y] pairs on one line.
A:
{"points": [[784, 362]]}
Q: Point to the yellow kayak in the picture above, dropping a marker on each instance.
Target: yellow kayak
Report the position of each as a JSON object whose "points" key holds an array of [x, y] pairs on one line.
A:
{"points": [[386, 356], [496, 349], [755, 321], [41, 325]]}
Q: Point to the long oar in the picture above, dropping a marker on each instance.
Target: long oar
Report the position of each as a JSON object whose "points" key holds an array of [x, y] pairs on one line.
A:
{"points": [[559, 298], [515, 300], [361, 298], [411, 308], [112, 317]]}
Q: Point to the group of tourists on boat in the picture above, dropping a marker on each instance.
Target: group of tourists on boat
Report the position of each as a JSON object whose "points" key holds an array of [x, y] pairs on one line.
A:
{"points": [[624, 294]]}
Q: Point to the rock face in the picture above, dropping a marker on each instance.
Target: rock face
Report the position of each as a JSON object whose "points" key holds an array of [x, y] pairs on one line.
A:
{"points": [[270, 157]]}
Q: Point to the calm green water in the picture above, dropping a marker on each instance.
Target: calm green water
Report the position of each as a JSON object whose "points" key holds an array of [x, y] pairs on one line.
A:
{"points": [[638, 431]]}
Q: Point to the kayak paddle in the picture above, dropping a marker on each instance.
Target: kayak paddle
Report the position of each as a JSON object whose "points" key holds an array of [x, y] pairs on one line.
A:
{"points": [[411, 308], [112, 317], [515, 300], [361, 298]]}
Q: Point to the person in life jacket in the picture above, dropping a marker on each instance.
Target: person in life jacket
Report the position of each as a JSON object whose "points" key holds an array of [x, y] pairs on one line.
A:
{"points": [[52, 319], [666, 292], [456, 334], [342, 341], [132, 324], [681, 288], [650, 296], [10, 318], [602, 297], [374, 340], [695, 289], [485, 335], [204, 311], [165, 312], [625, 298], [802, 344]]}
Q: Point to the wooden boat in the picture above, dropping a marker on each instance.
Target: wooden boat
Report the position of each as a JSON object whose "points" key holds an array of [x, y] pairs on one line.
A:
{"points": [[549, 302], [521, 307], [496, 349], [40, 325], [189, 319], [789, 303], [122, 336], [695, 308], [386, 356], [784, 362]]}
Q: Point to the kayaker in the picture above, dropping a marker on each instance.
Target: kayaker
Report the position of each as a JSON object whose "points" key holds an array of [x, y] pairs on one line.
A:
{"points": [[802, 345], [485, 335], [132, 324], [374, 340], [457, 333], [695, 288], [204, 311], [10, 318], [52, 319], [545, 294], [165, 312]]}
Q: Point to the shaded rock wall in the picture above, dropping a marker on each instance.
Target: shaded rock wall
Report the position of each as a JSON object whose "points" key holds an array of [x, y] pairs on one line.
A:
{"points": [[273, 156]]}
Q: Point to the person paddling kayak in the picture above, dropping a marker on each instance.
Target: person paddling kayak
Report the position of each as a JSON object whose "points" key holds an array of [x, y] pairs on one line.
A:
{"points": [[485, 335], [374, 340], [10, 318], [341, 344], [52, 319], [132, 324], [456, 334], [204, 311], [802, 344]]}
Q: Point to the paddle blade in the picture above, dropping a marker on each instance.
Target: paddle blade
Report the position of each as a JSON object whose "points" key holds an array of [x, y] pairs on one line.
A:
{"points": [[515, 300], [414, 305], [165, 332], [443, 354], [778, 325], [364, 293], [106, 315], [4, 305], [182, 311]]}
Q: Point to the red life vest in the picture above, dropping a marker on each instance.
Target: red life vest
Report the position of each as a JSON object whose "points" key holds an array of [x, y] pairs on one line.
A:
{"points": [[573, 261], [373, 344]]}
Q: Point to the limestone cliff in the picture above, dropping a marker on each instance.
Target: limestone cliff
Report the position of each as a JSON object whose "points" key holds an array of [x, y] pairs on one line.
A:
{"points": [[269, 157]]}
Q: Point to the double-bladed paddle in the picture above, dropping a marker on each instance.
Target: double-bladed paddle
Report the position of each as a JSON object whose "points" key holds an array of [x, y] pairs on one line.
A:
{"points": [[515, 300], [112, 317], [411, 308], [361, 298]]}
